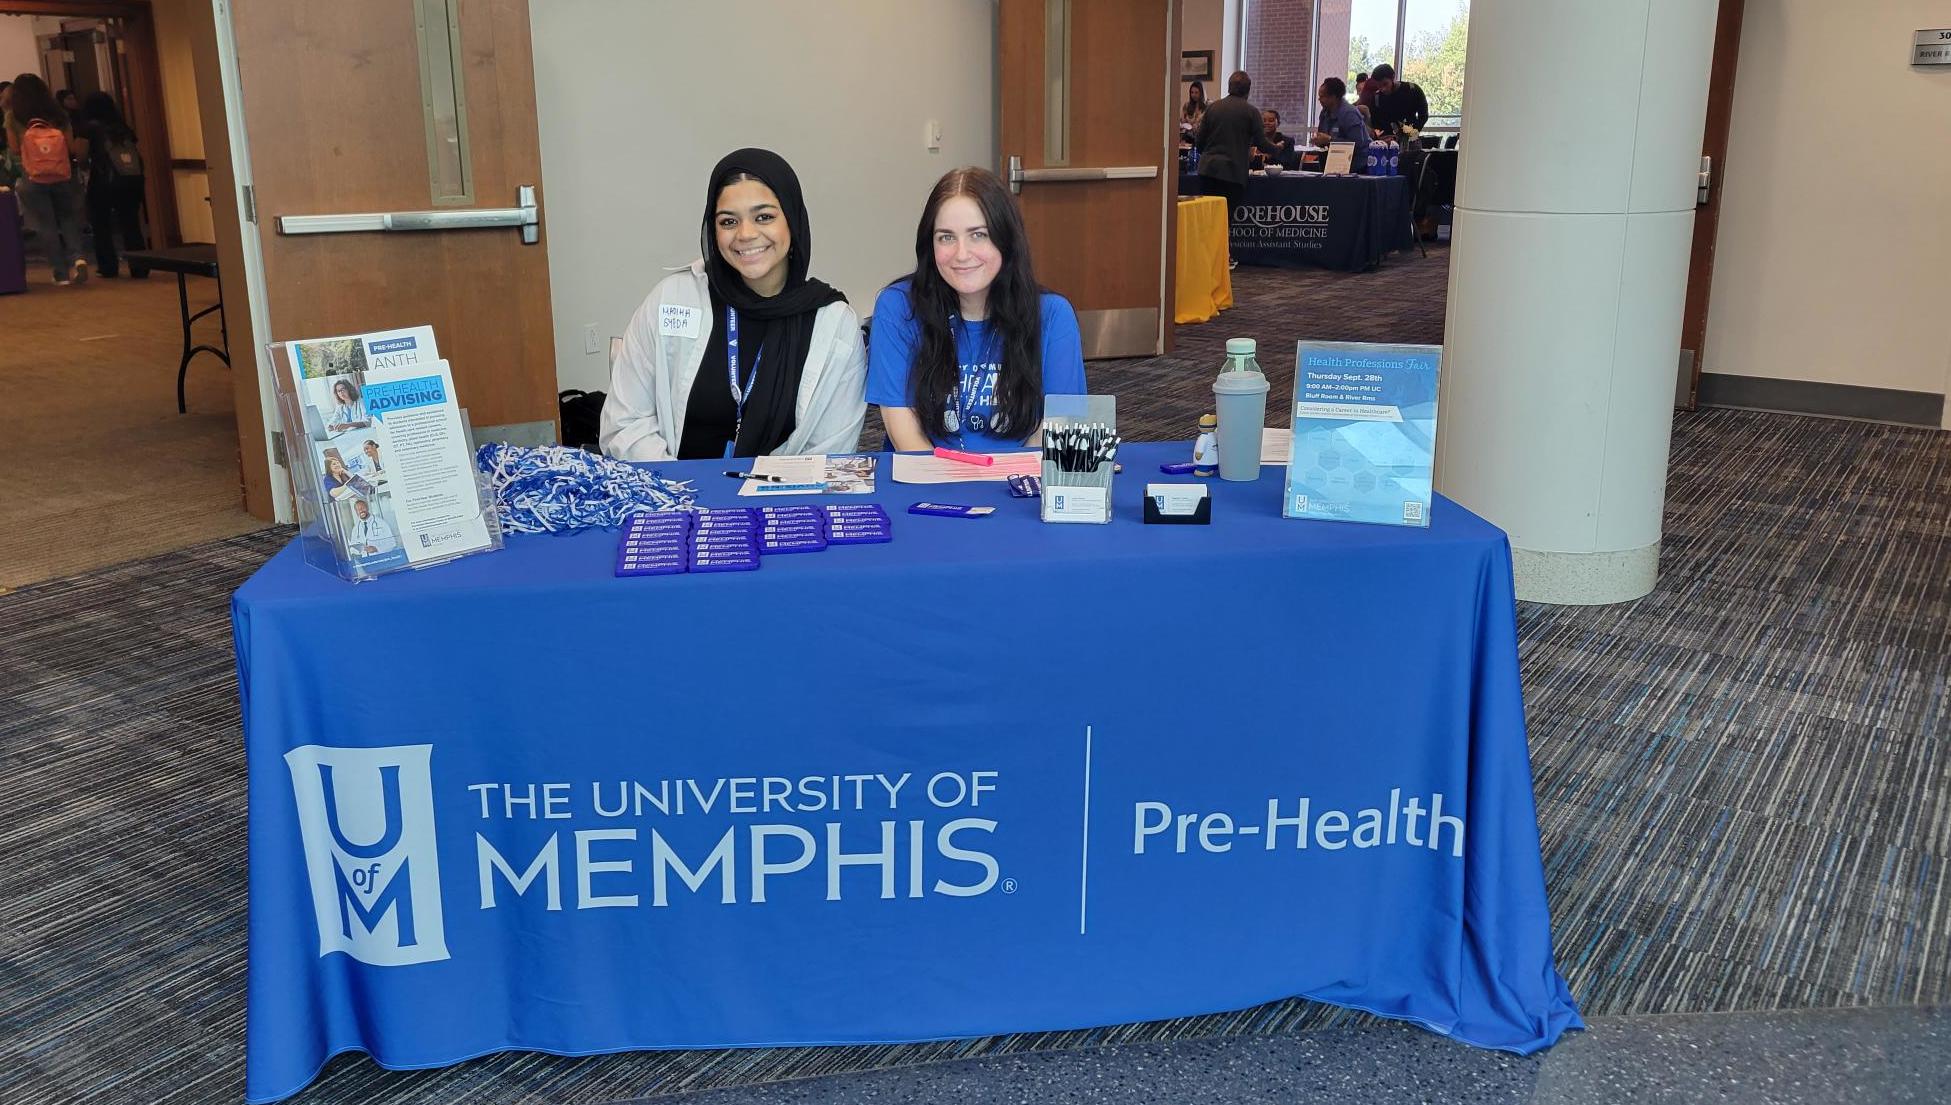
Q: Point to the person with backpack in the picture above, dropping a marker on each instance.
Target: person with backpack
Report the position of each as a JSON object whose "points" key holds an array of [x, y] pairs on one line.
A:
{"points": [[114, 182], [50, 197]]}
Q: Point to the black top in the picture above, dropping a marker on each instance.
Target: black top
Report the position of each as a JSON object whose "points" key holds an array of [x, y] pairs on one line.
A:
{"points": [[1227, 133], [1403, 104], [711, 414]]}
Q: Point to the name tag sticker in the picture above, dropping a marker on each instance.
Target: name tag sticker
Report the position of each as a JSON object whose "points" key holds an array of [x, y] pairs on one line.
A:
{"points": [[674, 320]]}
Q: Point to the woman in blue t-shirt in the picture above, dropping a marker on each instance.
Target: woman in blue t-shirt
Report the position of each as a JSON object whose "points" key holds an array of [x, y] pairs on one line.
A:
{"points": [[963, 351]]}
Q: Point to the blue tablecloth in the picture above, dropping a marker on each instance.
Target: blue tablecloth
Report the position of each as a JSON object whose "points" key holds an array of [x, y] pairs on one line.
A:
{"points": [[1299, 220], [997, 775]]}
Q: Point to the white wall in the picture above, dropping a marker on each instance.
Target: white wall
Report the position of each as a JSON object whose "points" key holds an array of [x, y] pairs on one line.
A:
{"points": [[1832, 262], [17, 51], [1202, 25], [638, 99]]}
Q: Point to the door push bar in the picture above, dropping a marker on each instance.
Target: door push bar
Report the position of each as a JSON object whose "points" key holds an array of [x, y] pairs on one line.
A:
{"points": [[1019, 176], [526, 216]]}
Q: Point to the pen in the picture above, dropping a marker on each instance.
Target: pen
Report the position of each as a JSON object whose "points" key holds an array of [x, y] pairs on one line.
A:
{"points": [[756, 476]]}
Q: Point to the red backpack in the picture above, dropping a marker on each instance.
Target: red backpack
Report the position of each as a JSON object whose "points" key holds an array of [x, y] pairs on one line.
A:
{"points": [[44, 153]]}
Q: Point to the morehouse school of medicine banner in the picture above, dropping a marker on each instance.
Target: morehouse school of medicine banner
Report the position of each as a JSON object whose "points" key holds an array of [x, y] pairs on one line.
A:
{"points": [[654, 818], [1345, 223]]}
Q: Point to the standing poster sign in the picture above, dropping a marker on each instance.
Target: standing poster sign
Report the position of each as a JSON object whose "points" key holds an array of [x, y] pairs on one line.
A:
{"points": [[1364, 436], [384, 473]]}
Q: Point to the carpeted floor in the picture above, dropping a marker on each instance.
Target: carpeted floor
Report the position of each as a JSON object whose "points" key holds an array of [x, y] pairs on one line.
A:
{"points": [[1744, 784], [92, 430]]}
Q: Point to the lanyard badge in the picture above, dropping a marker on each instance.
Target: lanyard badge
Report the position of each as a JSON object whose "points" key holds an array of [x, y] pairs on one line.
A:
{"points": [[740, 391]]}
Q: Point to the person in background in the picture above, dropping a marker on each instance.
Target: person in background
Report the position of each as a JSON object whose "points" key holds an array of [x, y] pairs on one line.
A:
{"points": [[1340, 122], [1397, 105], [114, 182], [1277, 148], [1195, 106], [966, 347], [1227, 135], [6, 143], [1364, 92], [69, 102], [741, 353], [50, 197]]}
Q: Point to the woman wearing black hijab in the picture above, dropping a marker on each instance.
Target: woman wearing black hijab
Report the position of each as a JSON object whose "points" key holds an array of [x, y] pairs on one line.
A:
{"points": [[741, 354]]}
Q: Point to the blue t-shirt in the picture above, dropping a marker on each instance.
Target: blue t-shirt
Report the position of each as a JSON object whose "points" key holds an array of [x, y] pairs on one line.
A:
{"points": [[978, 353]]}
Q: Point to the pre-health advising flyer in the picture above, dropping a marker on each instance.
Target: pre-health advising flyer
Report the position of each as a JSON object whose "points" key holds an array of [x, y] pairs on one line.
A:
{"points": [[384, 456], [1364, 433]]}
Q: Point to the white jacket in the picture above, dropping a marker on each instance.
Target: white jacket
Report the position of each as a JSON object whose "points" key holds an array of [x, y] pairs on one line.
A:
{"points": [[650, 384]]}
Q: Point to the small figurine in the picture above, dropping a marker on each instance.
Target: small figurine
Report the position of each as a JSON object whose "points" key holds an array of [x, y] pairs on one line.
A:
{"points": [[1205, 451]]}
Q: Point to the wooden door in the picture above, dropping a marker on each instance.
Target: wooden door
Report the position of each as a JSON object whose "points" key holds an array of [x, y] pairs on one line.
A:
{"points": [[337, 101], [1707, 214], [1084, 85]]}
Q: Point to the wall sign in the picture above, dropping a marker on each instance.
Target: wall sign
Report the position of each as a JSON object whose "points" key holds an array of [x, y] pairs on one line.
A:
{"points": [[1932, 47]]}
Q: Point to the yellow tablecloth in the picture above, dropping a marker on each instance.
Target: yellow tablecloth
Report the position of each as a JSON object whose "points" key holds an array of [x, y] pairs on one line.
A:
{"points": [[1205, 286]]}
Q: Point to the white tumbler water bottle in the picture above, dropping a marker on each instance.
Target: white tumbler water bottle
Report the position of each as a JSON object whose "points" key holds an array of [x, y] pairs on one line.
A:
{"points": [[1240, 399]]}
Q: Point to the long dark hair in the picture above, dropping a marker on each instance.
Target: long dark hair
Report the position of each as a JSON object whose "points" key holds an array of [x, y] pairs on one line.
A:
{"points": [[100, 109], [1014, 312], [32, 101], [1186, 112]]}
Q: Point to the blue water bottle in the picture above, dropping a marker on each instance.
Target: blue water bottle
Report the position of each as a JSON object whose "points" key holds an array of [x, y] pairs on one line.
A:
{"points": [[1372, 163], [1395, 159]]}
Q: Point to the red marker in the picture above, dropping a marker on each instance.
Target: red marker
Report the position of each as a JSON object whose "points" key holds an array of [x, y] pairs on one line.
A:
{"points": [[982, 459]]}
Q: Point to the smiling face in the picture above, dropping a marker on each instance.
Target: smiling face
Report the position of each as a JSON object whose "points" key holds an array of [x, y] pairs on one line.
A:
{"points": [[335, 468], [752, 235], [965, 254], [342, 391]]}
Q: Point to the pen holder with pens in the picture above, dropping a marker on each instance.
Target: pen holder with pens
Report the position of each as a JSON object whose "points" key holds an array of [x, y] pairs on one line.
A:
{"points": [[1080, 448]]}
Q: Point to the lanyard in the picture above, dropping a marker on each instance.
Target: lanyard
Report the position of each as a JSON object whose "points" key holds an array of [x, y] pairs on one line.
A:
{"points": [[740, 391], [968, 378]]}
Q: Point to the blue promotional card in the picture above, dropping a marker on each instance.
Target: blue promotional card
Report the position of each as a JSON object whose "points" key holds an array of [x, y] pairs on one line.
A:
{"points": [[1364, 433]]}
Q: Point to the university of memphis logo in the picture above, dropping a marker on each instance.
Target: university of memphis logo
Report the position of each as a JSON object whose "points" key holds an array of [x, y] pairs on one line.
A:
{"points": [[367, 817]]}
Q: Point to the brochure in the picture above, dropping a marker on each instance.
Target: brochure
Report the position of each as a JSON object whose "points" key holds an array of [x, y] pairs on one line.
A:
{"points": [[1363, 444], [812, 474], [381, 455]]}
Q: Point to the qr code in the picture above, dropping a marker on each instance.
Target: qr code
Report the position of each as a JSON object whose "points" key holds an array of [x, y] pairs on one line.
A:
{"points": [[1412, 511]]}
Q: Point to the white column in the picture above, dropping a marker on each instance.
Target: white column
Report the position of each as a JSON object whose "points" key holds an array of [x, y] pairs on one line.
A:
{"points": [[1574, 224]]}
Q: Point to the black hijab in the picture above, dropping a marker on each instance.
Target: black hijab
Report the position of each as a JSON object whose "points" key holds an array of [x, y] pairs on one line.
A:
{"points": [[786, 318]]}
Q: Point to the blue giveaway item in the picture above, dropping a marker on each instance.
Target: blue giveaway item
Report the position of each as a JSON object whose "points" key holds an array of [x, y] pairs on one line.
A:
{"points": [[554, 489]]}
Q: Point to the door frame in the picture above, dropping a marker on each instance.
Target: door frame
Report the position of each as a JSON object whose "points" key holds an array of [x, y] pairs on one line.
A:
{"points": [[1707, 213]]}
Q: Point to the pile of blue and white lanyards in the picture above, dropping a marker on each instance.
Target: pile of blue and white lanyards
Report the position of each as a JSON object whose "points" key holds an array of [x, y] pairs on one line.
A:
{"points": [[557, 490]]}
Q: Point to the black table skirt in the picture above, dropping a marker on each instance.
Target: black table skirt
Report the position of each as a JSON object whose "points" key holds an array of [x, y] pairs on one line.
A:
{"points": [[1303, 220]]}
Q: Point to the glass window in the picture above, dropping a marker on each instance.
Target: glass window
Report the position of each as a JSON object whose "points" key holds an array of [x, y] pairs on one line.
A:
{"points": [[1434, 36], [1352, 36]]}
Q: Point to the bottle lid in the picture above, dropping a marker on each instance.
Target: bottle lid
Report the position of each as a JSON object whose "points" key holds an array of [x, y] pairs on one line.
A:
{"points": [[1241, 347], [1208, 422]]}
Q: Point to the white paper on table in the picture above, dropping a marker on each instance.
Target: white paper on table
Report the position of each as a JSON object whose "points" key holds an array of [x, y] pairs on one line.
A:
{"points": [[798, 475], [927, 468], [1276, 446]]}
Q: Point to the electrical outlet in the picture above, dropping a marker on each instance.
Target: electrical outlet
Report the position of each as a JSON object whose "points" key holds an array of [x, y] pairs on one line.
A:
{"points": [[590, 344]]}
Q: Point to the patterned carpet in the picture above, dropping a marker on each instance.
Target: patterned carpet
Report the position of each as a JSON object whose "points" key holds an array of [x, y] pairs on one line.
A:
{"points": [[1744, 779]]}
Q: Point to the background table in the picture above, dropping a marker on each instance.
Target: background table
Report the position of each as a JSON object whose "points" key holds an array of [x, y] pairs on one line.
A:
{"points": [[1204, 284], [1301, 220], [1050, 693], [195, 259]]}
